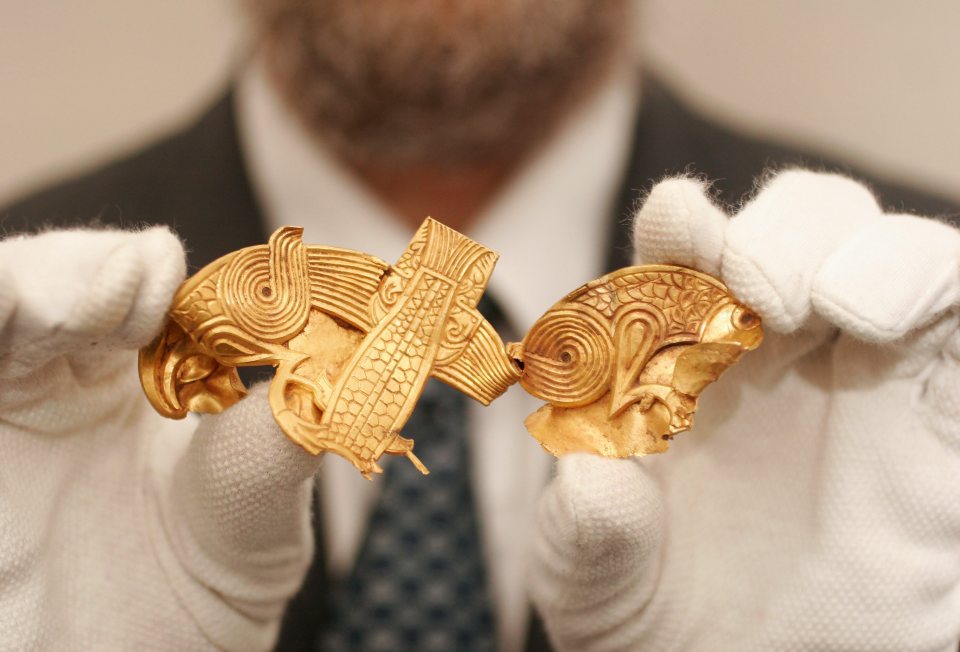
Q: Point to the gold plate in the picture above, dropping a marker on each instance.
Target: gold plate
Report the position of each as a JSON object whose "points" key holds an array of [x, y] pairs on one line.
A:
{"points": [[620, 361], [353, 339]]}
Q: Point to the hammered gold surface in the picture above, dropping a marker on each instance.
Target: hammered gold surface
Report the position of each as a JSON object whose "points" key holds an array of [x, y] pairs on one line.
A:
{"points": [[353, 340], [622, 360]]}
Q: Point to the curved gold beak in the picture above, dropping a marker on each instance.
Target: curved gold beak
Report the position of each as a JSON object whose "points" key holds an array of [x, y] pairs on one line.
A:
{"points": [[178, 378]]}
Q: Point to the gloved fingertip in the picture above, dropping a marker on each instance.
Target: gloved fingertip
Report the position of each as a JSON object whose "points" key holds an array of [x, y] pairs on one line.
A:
{"points": [[895, 275], [679, 224], [781, 306], [246, 437], [127, 294], [162, 270], [776, 244], [615, 505], [254, 408]]}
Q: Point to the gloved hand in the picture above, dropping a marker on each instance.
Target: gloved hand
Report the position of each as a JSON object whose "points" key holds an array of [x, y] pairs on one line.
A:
{"points": [[815, 505], [119, 529]]}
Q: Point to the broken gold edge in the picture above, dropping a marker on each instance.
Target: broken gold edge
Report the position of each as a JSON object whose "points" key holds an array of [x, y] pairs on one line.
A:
{"points": [[620, 361]]}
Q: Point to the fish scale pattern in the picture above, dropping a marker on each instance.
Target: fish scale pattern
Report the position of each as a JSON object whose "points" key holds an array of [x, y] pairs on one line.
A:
{"points": [[420, 581], [388, 374], [683, 298], [195, 314]]}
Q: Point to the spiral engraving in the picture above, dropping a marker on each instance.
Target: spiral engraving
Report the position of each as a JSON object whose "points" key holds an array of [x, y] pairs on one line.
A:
{"points": [[620, 361], [353, 340], [267, 291], [567, 357]]}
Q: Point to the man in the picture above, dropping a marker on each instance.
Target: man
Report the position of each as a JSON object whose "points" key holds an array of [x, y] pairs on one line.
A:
{"points": [[523, 124]]}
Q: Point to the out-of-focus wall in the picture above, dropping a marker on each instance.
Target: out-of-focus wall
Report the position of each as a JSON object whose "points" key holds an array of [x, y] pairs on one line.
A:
{"points": [[80, 81], [874, 81], [877, 81]]}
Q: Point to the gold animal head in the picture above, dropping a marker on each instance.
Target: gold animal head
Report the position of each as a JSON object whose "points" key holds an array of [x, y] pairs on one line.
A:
{"points": [[622, 359], [353, 340], [241, 309]]}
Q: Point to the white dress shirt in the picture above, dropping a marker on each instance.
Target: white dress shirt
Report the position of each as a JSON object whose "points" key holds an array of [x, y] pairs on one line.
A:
{"points": [[550, 225]]}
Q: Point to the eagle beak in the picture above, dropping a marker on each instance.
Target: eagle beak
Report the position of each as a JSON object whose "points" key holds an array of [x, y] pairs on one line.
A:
{"points": [[703, 363], [178, 378]]}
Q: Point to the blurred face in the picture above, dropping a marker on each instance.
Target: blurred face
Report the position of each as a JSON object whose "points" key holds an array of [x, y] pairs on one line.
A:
{"points": [[436, 81]]}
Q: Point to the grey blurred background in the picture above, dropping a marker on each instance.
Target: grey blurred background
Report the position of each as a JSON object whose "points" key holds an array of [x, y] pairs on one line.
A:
{"points": [[874, 81]]}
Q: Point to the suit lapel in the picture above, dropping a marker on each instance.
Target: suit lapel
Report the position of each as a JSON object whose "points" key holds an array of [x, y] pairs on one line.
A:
{"points": [[218, 211]]}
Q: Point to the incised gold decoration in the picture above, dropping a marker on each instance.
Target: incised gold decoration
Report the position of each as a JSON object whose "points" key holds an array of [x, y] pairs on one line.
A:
{"points": [[622, 360], [353, 339]]}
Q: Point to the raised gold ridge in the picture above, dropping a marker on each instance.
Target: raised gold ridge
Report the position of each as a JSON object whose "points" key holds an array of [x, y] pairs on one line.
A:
{"points": [[620, 361]]}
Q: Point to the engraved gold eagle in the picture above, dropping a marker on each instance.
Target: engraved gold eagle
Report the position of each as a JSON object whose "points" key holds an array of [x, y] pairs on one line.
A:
{"points": [[353, 339], [622, 360]]}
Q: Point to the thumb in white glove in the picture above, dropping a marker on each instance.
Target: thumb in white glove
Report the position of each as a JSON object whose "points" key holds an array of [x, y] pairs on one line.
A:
{"points": [[121, 529], [597, 550], [814, 504]]}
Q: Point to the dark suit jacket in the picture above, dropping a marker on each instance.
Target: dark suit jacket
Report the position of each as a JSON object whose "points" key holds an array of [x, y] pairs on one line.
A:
{"points": [[196, 181]]}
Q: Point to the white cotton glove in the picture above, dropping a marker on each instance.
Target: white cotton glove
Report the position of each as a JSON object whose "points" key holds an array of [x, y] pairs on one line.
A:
{"points": [[119, 529], [815, 505]]}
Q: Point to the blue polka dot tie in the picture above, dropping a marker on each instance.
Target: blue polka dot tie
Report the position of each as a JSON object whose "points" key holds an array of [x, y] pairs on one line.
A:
{"points": [[419, 582]]}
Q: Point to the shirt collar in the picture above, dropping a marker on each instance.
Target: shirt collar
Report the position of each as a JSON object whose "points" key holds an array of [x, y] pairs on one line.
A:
{"points": [[549, 224]]}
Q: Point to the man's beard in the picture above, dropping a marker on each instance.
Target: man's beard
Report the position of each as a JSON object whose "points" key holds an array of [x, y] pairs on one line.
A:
{"points": [[436, 82]]}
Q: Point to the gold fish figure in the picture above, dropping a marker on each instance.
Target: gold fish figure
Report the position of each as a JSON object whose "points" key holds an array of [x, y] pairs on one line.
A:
{"points": [[622, 360], [353, 339]]}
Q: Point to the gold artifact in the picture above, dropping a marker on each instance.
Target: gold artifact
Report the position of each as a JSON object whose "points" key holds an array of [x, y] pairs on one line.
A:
{"points": [[353, 339], [622, 360]]}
